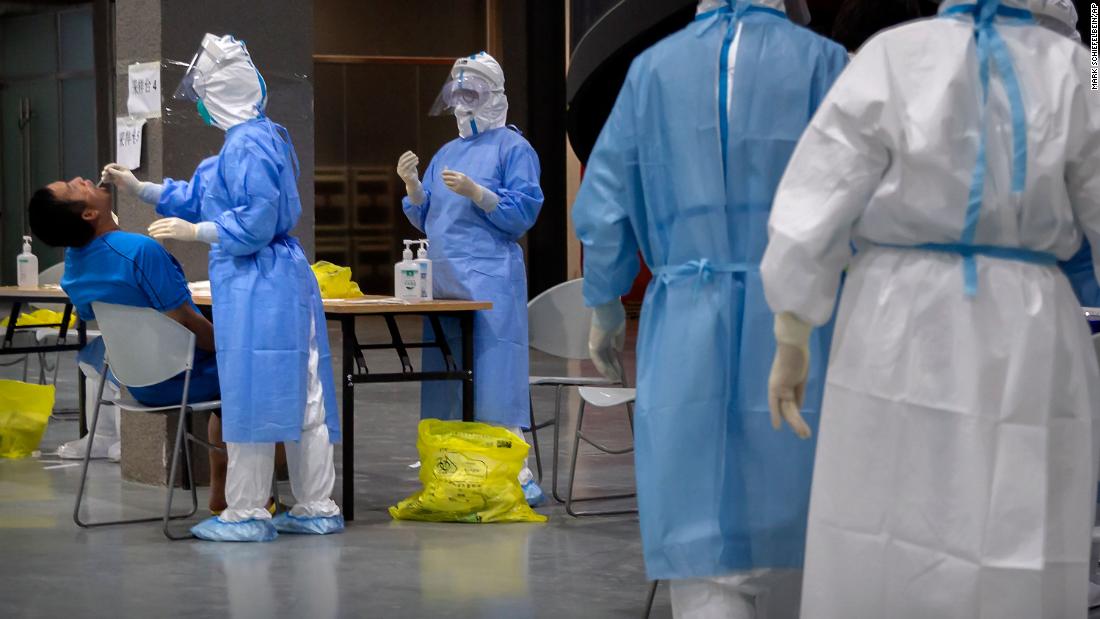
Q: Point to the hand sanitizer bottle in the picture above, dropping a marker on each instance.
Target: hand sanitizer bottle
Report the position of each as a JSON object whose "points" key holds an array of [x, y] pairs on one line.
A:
{"points": [[27, 266], [406, 276], [425, 268]]}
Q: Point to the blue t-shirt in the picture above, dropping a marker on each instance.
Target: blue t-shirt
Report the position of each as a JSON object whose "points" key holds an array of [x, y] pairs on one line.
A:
{"points": [[131, 269]]}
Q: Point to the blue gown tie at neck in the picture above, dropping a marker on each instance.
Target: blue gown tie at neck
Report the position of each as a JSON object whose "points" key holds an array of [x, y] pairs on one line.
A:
{"points": [[993, 52]]}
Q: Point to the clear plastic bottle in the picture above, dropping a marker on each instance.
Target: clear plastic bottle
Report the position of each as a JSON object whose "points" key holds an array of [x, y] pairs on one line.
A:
{"points": [[27, 266], [424, 266], [406, 276]]}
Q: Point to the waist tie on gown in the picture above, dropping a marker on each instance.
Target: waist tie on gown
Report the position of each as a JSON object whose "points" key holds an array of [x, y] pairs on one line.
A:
{"points": [[702, 270], [970, 252]]}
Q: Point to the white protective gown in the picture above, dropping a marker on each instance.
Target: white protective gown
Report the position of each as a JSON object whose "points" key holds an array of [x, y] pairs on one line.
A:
{"points": [[956, 462]]}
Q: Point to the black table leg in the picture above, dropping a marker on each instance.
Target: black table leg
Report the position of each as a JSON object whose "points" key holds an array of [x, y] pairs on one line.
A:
{"points": [[467, 321], [347, 335], [13, 319]]}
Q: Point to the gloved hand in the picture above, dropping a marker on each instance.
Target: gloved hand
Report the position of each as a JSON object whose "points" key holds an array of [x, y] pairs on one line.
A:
{"points": [[174, 228], [120, 177], [465, 186], [606, 337], [128, 184], [406, 169], [787, 383]]}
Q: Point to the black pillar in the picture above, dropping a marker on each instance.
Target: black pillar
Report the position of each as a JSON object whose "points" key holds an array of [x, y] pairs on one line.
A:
{"points": [[546, 242]]}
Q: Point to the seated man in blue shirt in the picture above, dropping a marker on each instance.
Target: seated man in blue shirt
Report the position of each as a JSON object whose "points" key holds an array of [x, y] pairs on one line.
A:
{"points": [[103, 263]]}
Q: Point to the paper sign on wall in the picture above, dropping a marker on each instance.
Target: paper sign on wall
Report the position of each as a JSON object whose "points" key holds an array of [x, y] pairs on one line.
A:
{"points": [[128, 141], [144, 98]]}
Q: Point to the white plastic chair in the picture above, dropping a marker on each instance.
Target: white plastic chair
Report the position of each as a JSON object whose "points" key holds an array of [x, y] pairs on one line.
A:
{"points": [[601, 397], [559, 326], [145, 347], [52, 276]]}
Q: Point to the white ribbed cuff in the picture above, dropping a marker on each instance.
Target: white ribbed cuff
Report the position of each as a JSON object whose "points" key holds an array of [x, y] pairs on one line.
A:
{"points": [[609, 316], [207, 232], [150, 192]]}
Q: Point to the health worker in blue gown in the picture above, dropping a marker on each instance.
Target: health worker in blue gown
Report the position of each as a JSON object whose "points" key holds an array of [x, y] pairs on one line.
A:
{"points": [[479, 196], [684, 171], [269, 324]]}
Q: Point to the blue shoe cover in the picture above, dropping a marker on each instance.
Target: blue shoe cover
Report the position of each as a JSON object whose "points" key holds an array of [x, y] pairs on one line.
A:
{"points": [[214, 529], [533, 493], [318, 525]]}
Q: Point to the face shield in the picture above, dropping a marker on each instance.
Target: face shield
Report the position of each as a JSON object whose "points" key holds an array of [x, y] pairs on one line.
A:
{"points": [[468, 92], [204, 63]]}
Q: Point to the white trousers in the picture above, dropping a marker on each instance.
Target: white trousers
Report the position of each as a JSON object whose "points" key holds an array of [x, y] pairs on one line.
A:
{"points": [[754, 594], [312, 471], [525, 475], [108, 434]]}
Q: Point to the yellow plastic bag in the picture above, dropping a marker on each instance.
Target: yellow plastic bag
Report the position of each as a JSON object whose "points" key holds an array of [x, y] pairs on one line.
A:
{"points": [[470, 473], [40, 317], [24, 412], [335, 281]]}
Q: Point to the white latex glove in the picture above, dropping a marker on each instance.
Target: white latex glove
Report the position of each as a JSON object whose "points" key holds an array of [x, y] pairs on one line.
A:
{"points": [[787, 383], [127, 183], [606, 337], [120, 177], [465, 186], [462, 185], [406, 169], [174, 228]]}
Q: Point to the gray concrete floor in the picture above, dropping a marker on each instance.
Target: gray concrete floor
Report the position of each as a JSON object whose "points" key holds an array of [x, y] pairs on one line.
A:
{"points": [[589, 567], [568, 567]]}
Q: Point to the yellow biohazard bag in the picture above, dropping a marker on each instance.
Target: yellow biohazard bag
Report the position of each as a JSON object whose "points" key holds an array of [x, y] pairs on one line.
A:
{"points": [[40, 317], [335, 281], [24, 412], [470, 473]]}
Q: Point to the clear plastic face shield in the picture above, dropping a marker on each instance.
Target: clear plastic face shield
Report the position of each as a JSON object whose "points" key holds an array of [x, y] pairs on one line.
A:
{"points": [[469, 91], [193, 85]]}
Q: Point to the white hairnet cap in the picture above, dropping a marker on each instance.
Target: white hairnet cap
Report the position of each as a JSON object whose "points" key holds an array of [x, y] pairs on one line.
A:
{"points": [[484, 65], [232, 89], [1059, 15]]}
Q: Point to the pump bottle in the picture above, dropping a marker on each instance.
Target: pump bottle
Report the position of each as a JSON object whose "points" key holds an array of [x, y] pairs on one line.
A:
{"points": [[406, 276], [27, 266], [424, 266]]}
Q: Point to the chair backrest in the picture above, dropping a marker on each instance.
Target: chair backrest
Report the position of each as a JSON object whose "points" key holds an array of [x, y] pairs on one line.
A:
{"points": [[51, 276], [558, 321], [144, 347]]}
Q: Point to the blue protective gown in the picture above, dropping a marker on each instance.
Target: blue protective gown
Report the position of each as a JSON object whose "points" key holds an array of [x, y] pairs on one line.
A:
{"points": [[264, 293], [718, 489], [475, 256]]}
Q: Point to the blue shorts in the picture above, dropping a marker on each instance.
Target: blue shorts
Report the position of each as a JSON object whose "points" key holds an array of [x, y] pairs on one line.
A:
{"points": [[204, 378]]}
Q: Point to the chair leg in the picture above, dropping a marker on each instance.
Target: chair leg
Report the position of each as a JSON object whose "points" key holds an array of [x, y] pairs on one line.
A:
{"points": [[649, 599], [579, 436], [88, 455], [84, 475], [557, 443], [535, 435], [181, 444]]}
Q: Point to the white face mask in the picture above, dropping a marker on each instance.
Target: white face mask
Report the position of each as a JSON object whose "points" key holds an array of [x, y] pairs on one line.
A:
{"points": [[467, 122], [114, 216]]}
